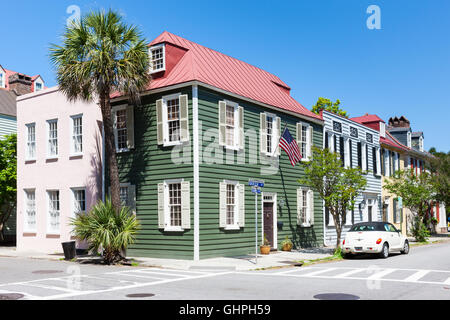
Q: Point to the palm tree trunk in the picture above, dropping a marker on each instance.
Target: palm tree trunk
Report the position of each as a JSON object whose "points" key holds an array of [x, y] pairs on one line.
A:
{"points": [[110, 151]]}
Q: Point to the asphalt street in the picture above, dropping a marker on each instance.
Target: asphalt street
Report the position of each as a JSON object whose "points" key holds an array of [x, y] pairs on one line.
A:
{"points": [[422, 274]]}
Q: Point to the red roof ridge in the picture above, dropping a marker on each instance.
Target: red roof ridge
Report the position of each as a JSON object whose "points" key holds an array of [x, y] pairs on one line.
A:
{"points": [[163, 38]]}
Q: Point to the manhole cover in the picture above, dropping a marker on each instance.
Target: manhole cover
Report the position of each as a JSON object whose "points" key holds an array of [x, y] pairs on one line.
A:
{"points": [[336, 296], [140, 295], [46, 271], [10, 296]]}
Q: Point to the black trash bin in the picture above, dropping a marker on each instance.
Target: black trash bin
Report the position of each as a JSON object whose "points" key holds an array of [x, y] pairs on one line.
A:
{"points": [[70, 251]]}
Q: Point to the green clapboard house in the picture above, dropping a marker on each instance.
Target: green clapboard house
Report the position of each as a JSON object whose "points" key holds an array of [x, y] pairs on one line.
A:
{"points": [[206, 125]]}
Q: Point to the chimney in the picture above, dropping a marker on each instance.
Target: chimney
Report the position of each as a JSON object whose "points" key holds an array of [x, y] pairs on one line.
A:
{"points": [[401, 122], [20, 84]]}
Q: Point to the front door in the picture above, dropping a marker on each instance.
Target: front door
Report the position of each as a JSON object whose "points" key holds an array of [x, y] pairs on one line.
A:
{"points": [[268, 222]]}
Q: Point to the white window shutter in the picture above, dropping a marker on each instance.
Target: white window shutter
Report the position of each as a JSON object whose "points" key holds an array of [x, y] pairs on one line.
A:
{"points": [[161, 206], [262, 133], [222, 205], [222, 122], [347, 152], [132, 198], [332, 143], [241, 189], [311, 207], [184, 118], [185, 205], [299, 205], [278, 131], [299, 137], [241, 128], [159, 122], [130, 127], [310, 142]]}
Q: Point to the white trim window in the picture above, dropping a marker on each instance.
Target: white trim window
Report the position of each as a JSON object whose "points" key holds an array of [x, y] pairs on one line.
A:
{"points": [[2, 79], [172, 119], [270, 131], [79, 201], [174, 205], [52, 126], [53, 223], [38, 86], [30, 211], [157, 58], [231, 203], [31, 142], [231, 125], [304, 138], [305, 207], [172, 114], [121, 129], [77, 134]]}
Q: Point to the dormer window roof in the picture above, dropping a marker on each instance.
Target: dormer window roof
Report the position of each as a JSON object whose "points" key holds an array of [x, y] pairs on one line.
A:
{"points": [[157, 58]]}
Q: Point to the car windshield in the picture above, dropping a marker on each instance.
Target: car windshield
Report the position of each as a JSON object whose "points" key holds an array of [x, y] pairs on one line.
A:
{"points": [[366, 227]]}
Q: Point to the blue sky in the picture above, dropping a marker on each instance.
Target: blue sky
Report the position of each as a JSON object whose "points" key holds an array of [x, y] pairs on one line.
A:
{"points": [[320, 48]]}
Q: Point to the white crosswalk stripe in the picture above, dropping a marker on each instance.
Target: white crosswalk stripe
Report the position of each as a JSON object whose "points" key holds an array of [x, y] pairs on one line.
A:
{"points": [[373, 273], [79, 285]]}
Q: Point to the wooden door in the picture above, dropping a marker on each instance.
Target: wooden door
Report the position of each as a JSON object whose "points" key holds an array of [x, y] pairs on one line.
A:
{"points": [[268, 222]]}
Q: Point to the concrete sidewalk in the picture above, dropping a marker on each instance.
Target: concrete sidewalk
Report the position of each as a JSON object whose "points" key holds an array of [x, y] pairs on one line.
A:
{"points": [[240, 263]]}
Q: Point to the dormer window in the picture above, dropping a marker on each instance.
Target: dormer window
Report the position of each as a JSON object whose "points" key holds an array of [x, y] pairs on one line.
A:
{"points": [[157, 58], [2, 79]]}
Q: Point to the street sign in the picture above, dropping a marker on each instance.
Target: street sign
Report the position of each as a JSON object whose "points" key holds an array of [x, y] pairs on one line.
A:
{"points": [[257, 183]]}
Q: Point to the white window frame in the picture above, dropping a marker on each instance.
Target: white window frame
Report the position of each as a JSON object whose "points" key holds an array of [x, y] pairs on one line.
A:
{"points": [[153, 48], [75, 201], [116, 136], [274, 135], [408, 139], [29, 143], [235, 225], [49, 229], [35, 85], [73, 136], [308, 207], [308, 151], [26, 226], [49, 155], [2, 79], [165, 117], [167, 218], [236, 135]]}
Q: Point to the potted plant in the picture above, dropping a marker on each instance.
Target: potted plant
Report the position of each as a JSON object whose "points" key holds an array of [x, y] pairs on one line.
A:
{"points": [[286, 244], [264, 248]]}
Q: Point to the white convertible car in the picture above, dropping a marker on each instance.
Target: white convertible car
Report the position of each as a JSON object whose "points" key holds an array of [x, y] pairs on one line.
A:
{"points": [[374, 237]]}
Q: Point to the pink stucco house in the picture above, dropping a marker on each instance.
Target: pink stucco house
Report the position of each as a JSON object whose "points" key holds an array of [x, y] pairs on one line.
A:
{"points": [[59, 167]]}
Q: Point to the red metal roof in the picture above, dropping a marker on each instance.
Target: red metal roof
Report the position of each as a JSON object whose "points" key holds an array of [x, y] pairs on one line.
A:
{"points": [[224, 72], [10, 73], [367, 118], [389, 140]]}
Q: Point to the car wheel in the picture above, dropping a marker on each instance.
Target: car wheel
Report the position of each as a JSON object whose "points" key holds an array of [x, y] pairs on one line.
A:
{"points": [[385, 251], [348, 256], [405, 248]]}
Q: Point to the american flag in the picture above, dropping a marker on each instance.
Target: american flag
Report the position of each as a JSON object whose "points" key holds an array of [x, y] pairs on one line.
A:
{"points": [[288, 144]]}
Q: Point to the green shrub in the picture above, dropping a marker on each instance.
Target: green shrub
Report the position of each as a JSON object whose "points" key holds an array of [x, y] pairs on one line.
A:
{"points": [[419, 230], [105, 228]]}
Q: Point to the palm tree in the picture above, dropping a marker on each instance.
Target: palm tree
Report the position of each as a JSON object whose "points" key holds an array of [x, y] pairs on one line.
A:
{"points": [[101, 55]]}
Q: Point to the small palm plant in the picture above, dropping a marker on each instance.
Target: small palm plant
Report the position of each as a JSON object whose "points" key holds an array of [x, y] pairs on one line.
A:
{"points": [[103, 228]]}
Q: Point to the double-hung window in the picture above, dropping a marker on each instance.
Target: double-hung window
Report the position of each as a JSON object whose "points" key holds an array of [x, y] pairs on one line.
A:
{"points": [[157, 58], [79, 201], [123, 122], [270, 131], [172, 119], [231, 198], [30, 211], [174, 205], [304, 138], [52, 138], [31, 141], [231, 125], [305, 207], [77, 134], [53, 212]]}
